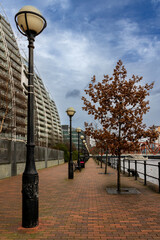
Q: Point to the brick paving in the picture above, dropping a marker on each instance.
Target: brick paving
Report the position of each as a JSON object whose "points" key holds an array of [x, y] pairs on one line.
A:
{"points": [[81, 208]]}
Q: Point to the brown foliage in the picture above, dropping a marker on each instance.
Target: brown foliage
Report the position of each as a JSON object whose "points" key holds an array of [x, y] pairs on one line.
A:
{"points": [[119, 105]]}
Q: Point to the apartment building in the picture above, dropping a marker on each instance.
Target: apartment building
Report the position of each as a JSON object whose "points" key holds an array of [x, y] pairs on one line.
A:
{"points": [[48, 130], [13, 96], [12, 99]]}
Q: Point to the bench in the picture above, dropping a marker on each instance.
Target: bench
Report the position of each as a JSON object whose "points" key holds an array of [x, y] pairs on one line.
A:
{"points": [[134, 173], [75, 167]]}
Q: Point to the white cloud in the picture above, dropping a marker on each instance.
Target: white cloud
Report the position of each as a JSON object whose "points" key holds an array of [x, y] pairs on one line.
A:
{"points": [[155, 1], [67, 58]]}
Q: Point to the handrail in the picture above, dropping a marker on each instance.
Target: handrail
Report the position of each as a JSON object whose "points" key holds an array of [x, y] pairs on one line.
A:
{"points": [[113, 163]]}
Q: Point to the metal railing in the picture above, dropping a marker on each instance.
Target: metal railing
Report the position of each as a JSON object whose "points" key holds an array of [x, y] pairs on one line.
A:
{"points": [[127, 168]]}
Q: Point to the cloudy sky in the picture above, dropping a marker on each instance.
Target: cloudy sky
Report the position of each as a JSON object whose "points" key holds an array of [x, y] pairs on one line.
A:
{"points": [[87, 37]]}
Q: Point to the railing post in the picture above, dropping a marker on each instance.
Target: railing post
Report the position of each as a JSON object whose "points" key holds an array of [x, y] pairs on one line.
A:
{"points": [[128, 168], [145, 171], [135, 169], [159, 175], [124, 166], [109, 161], [120, 165]]}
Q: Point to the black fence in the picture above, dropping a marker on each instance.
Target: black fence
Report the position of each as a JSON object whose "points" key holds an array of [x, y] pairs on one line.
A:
{"points": [[131, 167], [144, 169]]}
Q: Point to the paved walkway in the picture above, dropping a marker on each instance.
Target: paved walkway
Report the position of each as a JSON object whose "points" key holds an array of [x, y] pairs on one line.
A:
{"points": [[81, 208]]}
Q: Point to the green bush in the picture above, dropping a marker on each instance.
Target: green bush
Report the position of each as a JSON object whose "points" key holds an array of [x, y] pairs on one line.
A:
{"points": [[75, 155], [65, 147]]}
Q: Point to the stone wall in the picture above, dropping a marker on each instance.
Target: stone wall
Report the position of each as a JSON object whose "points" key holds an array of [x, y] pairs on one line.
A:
{"points": [[13, 157]]}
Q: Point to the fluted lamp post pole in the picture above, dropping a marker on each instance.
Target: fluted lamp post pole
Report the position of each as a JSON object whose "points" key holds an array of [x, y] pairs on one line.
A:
{"points": [[30, 23], [82, 137], [84, 159], [78, 131], [70, 112]]}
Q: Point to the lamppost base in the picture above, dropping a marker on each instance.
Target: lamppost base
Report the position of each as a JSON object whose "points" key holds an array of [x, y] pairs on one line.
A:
{"points": [[30, 200], [70, 171]]}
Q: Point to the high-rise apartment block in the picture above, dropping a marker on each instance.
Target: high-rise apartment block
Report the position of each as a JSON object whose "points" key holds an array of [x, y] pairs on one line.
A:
{"points": [[48, 130], [13, 96], [12, 99]]}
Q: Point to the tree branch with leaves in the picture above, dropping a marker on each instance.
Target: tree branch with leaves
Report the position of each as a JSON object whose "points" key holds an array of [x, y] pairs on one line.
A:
{"points": [[119, 104]]}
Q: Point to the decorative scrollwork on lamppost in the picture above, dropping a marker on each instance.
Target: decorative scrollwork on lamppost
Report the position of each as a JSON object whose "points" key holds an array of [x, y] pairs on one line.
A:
{"points": [[70, 112], [30, 23]]}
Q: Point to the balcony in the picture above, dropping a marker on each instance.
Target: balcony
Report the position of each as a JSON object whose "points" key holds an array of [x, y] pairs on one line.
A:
{"points": [[20, 104], [20, 121], [2, 47], [18, 85], [21, 113], [16, 75], [4, 65], [16, 67], [20, 95]]}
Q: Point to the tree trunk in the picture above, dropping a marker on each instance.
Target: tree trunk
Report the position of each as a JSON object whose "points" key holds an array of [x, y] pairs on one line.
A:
{"points": [[119, 171], [101, 158], [119, 159], [106, 162]]}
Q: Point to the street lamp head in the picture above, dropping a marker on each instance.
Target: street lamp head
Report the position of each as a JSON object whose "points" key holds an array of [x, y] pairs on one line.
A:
{"points": [[70, 111], [30, 21], [78, 130], [84, 141], [81, 137]]}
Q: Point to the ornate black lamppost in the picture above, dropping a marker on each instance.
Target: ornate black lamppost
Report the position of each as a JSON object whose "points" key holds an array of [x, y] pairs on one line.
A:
{"points": [[78, 131], [30, 23], [84, 142], [70, 112], [87, 151], [82, 137]]}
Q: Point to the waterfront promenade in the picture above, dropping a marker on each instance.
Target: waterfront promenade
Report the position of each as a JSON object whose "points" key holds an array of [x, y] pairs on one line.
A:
{"points": [[81, 208]]}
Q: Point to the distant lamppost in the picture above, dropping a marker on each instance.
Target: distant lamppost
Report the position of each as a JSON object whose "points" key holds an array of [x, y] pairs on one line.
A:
{"points": [[84, 159], [87, 151], [30, 23], [70, 112], [82, 137], [78, 131], [84, 141]]}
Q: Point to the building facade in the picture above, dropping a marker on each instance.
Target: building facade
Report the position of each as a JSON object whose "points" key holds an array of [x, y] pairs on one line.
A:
{"points": [[13, 103], [66, 136], [13, 96], [48, 131]]}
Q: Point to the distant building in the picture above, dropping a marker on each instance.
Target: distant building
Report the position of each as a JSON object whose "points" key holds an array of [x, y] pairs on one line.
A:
{"points": [[92, 142], [158, 129], [13, 96], [66, 135]]}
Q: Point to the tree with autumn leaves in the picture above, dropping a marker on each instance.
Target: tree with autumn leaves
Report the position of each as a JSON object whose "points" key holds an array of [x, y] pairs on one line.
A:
{"points": [[119, 105]]}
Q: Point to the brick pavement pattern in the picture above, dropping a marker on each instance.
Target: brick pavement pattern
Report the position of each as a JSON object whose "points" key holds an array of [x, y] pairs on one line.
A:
{"points": [[81, 208]]}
